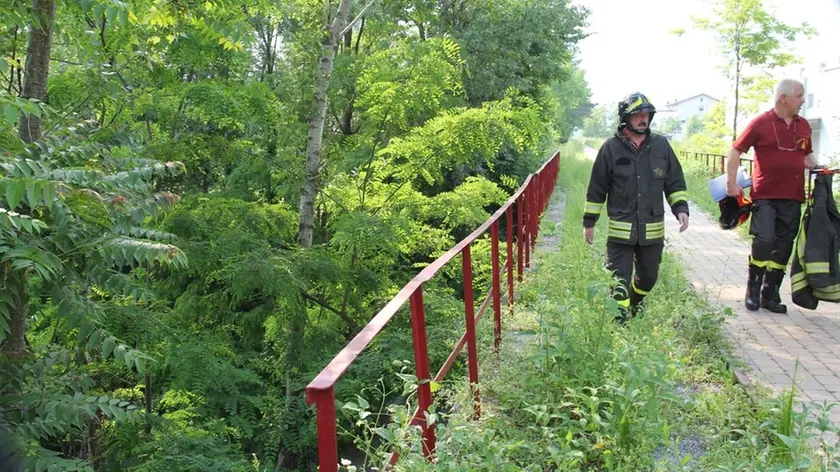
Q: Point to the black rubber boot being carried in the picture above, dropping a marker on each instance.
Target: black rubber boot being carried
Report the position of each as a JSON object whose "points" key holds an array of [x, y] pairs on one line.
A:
{"points": [[752, 298], [770, 297]]}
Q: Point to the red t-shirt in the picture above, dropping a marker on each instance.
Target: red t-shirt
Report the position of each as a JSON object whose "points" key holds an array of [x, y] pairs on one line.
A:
{"points": [[780, 150]]}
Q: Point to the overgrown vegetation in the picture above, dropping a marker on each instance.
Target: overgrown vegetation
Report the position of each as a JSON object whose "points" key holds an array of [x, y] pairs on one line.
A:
{"points": [[574, 391], [160, 308]]}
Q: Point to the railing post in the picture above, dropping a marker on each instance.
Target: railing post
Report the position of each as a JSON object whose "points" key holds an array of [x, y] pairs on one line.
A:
{"points": [[421, 364], [536, 206], [546, 190], [509, 262], [326, 429], [722, 164], [497, 284], [520, 233], [469, 309], [527, 223], [535, 220]]}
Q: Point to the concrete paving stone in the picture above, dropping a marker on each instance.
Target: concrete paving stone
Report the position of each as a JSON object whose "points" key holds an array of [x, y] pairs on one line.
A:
{"points": [[830, 383], [770, 342], [779, 379], [819, 370], [816, 399]]}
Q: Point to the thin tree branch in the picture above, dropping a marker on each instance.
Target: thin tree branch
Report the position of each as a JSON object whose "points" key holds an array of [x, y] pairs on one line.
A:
{"points": [[350, 322], [358, 17], [62, 61], [78, 105]]}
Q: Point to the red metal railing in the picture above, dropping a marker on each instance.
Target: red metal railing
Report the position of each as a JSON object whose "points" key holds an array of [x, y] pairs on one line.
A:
{"points": [[716, 162], [529, 201]]}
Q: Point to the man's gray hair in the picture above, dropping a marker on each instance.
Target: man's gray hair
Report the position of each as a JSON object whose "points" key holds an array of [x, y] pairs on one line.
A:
{"points": [[787, 87]]}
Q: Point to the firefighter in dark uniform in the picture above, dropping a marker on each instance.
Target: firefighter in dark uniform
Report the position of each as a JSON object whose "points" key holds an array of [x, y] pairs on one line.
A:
{"points": [[781, 140], [632, 172]]}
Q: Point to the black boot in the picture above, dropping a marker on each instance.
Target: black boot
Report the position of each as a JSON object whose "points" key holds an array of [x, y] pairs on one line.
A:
{"points": [[770, 297], [623, 315], [753, 296], [636, 303]]}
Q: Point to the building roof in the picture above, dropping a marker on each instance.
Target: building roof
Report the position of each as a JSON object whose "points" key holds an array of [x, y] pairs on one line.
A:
{"points": [[676, 102]]}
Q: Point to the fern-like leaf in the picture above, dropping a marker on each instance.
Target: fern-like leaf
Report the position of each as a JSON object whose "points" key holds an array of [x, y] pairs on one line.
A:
{"points": [[16, 223], [129, 252]]}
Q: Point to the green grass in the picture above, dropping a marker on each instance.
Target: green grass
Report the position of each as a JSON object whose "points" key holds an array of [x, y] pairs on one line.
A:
{"points": [[574, 391], [594, 143]]}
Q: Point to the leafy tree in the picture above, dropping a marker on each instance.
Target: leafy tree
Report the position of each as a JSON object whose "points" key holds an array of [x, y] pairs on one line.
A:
{"points": [[709, 134], [602, 123], [694, 125], [72, 226], [757, 92], [670, 126], [570, 101], [513, 43], [749, 38]]}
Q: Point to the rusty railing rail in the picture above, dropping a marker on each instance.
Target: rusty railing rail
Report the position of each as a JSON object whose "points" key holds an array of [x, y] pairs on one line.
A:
{"points": [[715, 162], [529, 202]]}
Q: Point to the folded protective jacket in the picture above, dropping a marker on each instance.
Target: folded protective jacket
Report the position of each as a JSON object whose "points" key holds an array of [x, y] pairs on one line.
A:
{"points": [[814, 273]]}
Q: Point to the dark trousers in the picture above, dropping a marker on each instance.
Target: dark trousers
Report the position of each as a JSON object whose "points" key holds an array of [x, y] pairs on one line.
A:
{"points": [[774, 224], [621, 258]]}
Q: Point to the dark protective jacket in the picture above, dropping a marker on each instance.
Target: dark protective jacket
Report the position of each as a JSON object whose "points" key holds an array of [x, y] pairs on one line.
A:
{"points": [[632, 181], [814, 273]]}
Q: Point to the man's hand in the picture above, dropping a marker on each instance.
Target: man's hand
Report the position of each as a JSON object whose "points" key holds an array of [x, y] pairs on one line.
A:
{"points": [[683, 219], [811, 162], [589, 234], [733, 189]]}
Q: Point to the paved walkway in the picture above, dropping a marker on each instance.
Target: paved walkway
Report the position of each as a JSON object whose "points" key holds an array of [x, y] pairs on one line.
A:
{"points": [[715, 262]]}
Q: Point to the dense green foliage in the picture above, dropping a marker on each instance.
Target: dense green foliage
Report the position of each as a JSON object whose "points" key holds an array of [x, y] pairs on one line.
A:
{"points": [[156, 311], [578, 392]]}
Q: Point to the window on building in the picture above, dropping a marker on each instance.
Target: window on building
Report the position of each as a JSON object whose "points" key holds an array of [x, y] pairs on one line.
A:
{"points": [[810, 101], [701, 108], [701, 99]]}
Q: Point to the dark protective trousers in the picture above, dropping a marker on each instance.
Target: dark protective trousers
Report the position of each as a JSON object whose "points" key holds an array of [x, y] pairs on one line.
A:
{"points": [[774, 224], [621, 259]]}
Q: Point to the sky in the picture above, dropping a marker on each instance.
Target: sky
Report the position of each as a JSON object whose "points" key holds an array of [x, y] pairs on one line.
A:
{"points": [[630, 47]]}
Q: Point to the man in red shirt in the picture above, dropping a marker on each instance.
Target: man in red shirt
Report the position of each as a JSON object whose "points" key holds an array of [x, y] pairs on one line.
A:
{"points": [[782, 143]]}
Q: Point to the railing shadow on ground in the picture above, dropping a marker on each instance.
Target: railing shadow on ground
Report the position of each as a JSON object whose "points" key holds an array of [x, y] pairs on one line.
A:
{"points": [[528, 203]]}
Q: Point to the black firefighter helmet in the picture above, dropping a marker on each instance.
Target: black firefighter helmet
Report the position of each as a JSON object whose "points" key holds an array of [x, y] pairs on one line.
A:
{"points": [[636, 102], [734, 211]]}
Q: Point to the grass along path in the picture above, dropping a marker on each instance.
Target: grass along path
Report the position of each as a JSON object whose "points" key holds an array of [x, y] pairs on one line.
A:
{"points": [[585, 394]]}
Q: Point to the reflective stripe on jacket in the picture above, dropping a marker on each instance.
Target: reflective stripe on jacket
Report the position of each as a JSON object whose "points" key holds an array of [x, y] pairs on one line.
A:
{"points": [[814, 273], [632, 182]]}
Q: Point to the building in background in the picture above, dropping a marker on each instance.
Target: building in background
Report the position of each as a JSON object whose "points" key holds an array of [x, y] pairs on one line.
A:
{"points": [[821, 79]]}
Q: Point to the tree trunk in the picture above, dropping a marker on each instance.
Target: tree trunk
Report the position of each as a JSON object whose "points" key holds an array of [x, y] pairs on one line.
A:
{"points": [[37, 65], [735, 111], [316, 125], [15, 284], [14, 56], [148, 394], [35, 86]]}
